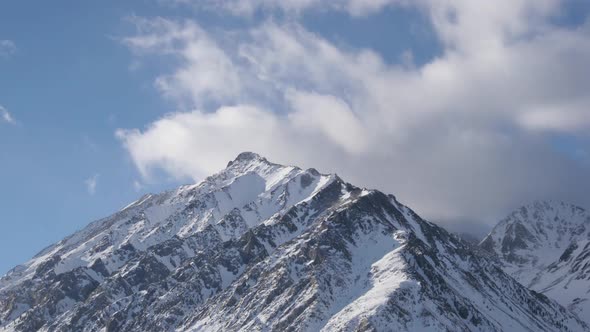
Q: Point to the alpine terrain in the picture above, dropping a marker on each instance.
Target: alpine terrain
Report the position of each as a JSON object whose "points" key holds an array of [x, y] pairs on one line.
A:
{"points": [[546, 246], [265, 247]]}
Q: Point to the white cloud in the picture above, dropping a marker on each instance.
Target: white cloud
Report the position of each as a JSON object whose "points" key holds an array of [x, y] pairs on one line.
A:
{"points": [[569, 116], [328, 115], [249, 7], [460, 137], [204, 73], [91, 184], [6, 116], [188, 144], [137, 185], [7, 47]]}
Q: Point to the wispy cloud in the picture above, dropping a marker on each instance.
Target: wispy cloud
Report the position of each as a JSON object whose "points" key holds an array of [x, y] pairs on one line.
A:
{"points": [[91, 184], [138, 186], [7, 47], [210, 75], [292, 7], [6, 116]]}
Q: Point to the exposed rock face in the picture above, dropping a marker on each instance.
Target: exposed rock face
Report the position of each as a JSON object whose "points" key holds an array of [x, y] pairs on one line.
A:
{"points": [[260, 246], [546, 246]]}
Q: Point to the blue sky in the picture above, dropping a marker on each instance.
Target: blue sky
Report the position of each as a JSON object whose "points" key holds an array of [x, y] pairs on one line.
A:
{"points": [[92, 96], [68, 86]]}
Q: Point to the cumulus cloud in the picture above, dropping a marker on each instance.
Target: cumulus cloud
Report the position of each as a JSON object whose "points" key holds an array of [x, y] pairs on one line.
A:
{"points": [[91, 184], [230, 129], [462, 137], [7, 47], [6, 116]]}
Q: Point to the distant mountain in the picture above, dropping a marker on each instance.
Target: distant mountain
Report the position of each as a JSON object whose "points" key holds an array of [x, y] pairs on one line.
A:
{"points": [[264, 247], [546, 246], [468, 238]]}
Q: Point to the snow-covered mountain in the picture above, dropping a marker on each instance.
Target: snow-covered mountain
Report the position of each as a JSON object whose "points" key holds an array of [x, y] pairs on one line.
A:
{"points": [[546, 246], [264, 247]]}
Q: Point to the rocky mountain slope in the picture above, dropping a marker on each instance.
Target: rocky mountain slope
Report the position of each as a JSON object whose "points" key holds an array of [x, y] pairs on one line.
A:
{"points": [[546, 246], [264, 247]]}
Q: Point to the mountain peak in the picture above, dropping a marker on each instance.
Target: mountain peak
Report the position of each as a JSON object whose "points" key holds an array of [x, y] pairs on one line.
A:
{"points": [[547, 212], [249, 156], [544, 245], [250, 162], [247, 162], [551, 205], [533, 224]]}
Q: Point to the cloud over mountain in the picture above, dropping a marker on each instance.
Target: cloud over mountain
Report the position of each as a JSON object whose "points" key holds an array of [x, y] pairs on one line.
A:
{"points": [[463, 136]]}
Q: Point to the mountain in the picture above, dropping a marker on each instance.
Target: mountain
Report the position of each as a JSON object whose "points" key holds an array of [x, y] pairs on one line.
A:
{"points": [[546, 247], [265, 247], [468, 238]]}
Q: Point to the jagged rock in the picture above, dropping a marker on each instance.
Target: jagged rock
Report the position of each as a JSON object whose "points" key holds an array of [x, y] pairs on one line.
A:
{"points": [[260, 246], [546, 246]]}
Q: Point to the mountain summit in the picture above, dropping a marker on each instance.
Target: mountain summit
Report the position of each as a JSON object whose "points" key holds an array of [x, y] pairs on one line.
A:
{"points": [[265, 247], [546, 246]]}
